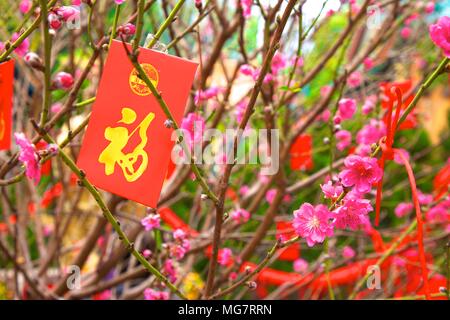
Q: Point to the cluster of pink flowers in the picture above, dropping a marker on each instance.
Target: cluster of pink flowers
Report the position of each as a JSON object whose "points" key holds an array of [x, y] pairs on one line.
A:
{"points": [[225, 257], [346, 110], [151, 221], [180, 246], [316, 223], [62, 14], [240, 215], [204, 95], [352, 213], [169, 270], [29, 157], [246, 6], [360, 172], [403, 209], [440, 34], [150, 294], [279, 62], [194, 125], [371, 132], [331, 191]]}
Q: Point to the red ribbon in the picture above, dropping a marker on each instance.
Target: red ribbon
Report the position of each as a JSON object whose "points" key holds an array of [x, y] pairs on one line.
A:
{"points": [[388, 154]]}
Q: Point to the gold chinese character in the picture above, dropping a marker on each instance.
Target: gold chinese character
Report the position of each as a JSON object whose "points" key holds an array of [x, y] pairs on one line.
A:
{"points": [[119, 137]]}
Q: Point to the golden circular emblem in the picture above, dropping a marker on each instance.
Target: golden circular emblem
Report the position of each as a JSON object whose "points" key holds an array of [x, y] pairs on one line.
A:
{"points": [[138, 85]]}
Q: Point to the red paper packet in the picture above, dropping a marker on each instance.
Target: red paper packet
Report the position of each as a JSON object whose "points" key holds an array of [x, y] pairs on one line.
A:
{"points": [[126, 148], [6, 96]]}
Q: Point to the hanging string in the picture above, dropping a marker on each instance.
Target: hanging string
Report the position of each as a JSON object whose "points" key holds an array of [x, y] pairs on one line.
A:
{"points": [[388, 154]]}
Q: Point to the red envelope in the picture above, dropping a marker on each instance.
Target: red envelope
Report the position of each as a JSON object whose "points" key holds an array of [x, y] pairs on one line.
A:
{"points": [[6, 96], [126, 148], [301, 153]]}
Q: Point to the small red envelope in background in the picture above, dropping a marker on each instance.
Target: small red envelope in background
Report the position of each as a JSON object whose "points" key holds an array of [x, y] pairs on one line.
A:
{"points": [[6, 96], [126, 148], [301, 153]]}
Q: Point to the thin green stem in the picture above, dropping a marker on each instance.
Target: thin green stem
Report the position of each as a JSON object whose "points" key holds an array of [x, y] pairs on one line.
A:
{"points": [[110, 217], [114, 26], [47, 64], [166, 23], [167, 112], [139, 25], [327, 269], [422, 89]]}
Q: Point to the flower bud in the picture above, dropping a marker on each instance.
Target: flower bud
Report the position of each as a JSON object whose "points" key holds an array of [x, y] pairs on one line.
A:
{"points": [[127, 29], [54, 21], [168, 123], [34, 61], [63, 80], [68, 13]]}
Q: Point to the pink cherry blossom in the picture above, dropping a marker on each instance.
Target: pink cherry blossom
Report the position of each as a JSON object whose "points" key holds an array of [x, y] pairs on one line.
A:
{"points": [[300, 266], [23, 48], [371, 133], [347, 108], [278, 63], [325, 116], [438, 214], [246, 6], [150, 294], [29, 157], [406, 32], [63, 80], [179, 234], [169, 270], [344, 139], [330, 191], [68, 13], [348, 252], [368, 63], [403, 209], [127, 29], [313, 223], [246, 70], [429, 7], [424, 199], [54, 20], [240, 215], [225, 257], [354, 79], [119, 1], [147, 253], [56, 107], [270, 195], [360, 172], [398, 159], [194, 125], [353, 212], [440, 34], [244, 190], [25, 6], [369, 104], [150, 222], [204, 95]]}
